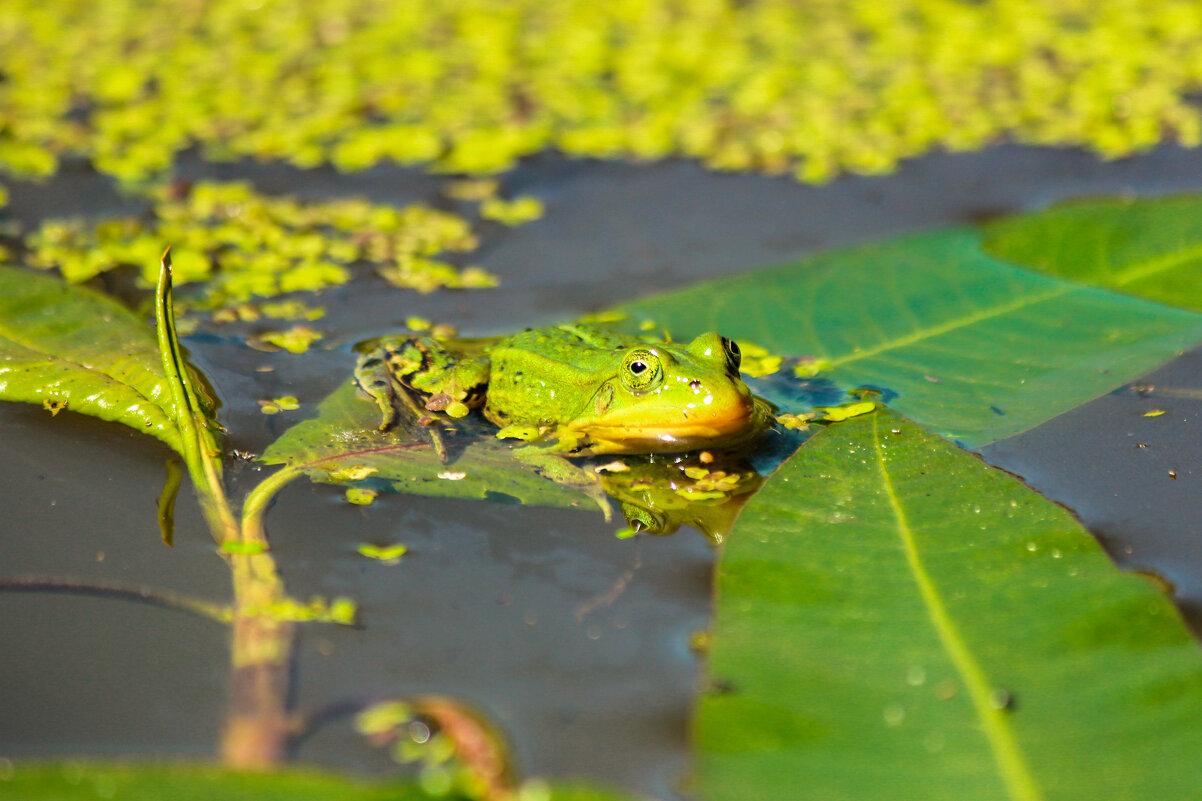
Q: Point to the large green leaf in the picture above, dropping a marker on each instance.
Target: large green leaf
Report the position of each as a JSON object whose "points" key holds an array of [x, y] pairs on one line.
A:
{"points": [[896, 620], [1148, 247], [69, 347], [84, 781], [975, 348]]}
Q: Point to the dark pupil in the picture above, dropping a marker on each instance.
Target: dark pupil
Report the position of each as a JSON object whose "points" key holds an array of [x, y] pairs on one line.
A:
{"points": [[638, 367], [732, 347]]}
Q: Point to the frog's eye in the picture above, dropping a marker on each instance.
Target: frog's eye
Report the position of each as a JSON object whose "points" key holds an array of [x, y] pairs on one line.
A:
{"points": [[733, 355], [641, 371]]}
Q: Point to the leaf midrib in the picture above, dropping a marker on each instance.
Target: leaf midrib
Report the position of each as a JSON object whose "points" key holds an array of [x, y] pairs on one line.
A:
{"points": [[1132, 273], [955, 323], [1157, 265], [1012, 765]]}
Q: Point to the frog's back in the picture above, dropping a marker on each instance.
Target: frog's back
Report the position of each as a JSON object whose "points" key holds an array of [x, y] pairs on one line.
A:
{"points": [[546, 376]]}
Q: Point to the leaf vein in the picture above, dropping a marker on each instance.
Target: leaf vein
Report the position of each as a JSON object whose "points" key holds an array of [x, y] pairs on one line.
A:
{"points": [[1015, 773]]}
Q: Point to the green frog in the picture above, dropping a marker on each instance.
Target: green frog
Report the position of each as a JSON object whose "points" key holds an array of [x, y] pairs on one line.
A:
{"points": [[580, 389], [570, 391]]}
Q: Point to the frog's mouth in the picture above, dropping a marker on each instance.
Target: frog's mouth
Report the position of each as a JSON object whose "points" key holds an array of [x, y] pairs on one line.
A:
{"points": [[667, 430]]}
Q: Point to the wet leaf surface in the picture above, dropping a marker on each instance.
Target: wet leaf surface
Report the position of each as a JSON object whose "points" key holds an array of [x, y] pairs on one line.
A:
{"points": [[342, 445], [69, 347], [897, 620], [973, 347]]}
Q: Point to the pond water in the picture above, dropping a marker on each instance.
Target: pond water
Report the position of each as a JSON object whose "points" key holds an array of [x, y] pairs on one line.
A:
{"points": [[504, 606]]}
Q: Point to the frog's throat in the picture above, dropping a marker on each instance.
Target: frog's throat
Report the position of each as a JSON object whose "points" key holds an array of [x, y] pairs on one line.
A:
{"points": [[629, 434]]}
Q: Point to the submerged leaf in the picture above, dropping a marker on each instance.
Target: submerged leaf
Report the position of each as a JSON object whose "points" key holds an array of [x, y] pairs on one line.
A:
{"points": [[68, 347], [896, 620]]}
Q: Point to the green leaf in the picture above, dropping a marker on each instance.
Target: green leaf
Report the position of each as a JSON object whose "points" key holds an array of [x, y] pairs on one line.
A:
{"points": [[82, 781], [342, 445], [896, 620], [1150, 247], [975, 348], [90, 781], [63, 345]]}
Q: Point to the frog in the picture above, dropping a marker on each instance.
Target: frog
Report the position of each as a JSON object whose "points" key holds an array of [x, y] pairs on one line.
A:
{"points": [[570, 391]]}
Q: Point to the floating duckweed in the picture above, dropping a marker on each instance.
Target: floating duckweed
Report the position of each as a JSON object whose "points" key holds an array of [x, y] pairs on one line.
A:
{"points": [[388, 554], [845, 411], [247, 245], [417, 323], [809, 88], [810, 367], [796, 422], [287, 403], [319, 610], [361, 496], [757, 361], [296, 339], [518, 211], [477, 189], [291, 310]]}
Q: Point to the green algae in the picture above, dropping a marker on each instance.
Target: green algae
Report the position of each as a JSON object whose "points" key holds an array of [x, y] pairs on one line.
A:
{"points": [[808, 87]]}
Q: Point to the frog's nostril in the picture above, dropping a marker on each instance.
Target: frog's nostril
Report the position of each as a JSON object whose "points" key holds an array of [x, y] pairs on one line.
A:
{"points": [[695, 386]]}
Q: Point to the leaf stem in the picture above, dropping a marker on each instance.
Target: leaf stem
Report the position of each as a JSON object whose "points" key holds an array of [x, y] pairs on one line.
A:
{"points": [[199, 448], [256, 503]]}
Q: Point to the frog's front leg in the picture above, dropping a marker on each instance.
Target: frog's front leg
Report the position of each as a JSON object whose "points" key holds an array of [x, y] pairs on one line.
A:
{"points": [[374, 379], [415, 379]]}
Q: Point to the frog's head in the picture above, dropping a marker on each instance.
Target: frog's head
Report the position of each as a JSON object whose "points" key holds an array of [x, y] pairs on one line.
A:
{"points": [[667, 398]]}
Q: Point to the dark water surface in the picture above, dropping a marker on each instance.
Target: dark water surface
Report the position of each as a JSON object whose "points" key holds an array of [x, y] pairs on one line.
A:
{"points": [[493, 604]]}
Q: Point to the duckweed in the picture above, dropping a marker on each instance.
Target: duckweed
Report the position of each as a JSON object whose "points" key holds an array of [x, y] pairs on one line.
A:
{"points": [[366, 497], [296, 339], [808, 87], [246, 246], [518, 211], [287, 403]]}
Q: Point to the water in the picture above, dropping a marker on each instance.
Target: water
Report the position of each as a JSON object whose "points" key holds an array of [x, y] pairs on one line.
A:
{"points": [[486, 606]]}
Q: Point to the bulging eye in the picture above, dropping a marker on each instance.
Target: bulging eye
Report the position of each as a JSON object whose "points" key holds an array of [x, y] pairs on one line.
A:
{"points": [[733, 356], [641, 371]]}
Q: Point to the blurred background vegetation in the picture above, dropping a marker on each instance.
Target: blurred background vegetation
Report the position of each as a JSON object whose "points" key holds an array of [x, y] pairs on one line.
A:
{"points": [[806, 87]]}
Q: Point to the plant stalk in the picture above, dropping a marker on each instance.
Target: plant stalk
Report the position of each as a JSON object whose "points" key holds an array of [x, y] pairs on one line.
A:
{"points": [[259, 727]]}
